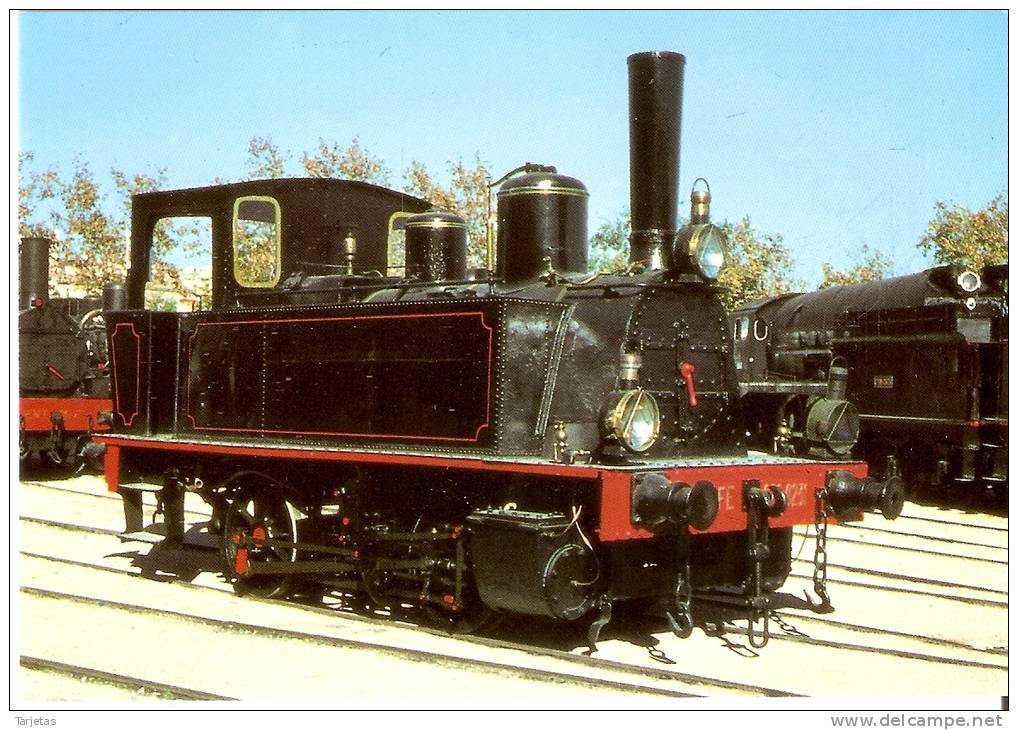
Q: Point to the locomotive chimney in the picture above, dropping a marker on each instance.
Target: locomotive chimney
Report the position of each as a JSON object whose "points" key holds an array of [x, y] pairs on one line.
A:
{"points": [[655, 117], [33, 271], [114, 296]]}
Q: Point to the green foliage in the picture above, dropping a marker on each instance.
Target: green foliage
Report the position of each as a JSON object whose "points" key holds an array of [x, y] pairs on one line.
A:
{"points": [[609, 246], [757, 265], [264, 159], [972, 239], [256, 252], [88, 247], [90, 229], [160, 300], [871, 266], [35, 187]]}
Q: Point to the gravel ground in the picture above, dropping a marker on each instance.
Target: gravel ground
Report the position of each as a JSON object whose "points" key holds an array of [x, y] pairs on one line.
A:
{"points": [[180, 651]]}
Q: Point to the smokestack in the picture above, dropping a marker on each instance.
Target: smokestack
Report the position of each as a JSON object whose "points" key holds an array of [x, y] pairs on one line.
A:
{"points": [[655, 118], [33, 271], [114, 296]]}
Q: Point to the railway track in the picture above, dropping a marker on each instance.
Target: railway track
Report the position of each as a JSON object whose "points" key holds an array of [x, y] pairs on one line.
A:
{"points": [[635, 659], [146, 688], [222, 611]]}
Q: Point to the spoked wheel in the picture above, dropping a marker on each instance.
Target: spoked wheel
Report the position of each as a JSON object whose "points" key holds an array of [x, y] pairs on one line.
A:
{"points": [[259, 529]]}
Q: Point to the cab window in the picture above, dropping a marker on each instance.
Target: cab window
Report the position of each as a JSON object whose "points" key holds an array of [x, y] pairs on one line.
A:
{"points": [[256, 241], [396, 256], [183, 281]]}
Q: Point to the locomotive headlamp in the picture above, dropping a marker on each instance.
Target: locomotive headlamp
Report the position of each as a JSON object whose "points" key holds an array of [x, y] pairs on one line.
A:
{"points": [[832, 426], [633, 419], [707, 249], [701, 244], [968, 281]]}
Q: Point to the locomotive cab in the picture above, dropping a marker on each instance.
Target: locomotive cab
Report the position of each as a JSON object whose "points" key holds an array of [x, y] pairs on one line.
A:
{"points": [[280, 241]]}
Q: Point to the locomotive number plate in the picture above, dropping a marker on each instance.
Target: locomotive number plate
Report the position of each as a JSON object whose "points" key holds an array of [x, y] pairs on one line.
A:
{"points": [[883, 382]]}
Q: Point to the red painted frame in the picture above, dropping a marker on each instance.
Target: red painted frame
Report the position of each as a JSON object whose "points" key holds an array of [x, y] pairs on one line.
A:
{"points": [[799, 480], [36, 413]]}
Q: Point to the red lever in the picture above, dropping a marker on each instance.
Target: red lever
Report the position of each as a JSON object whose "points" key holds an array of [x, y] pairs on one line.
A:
{"points": [[55, 373], [687, 370]]}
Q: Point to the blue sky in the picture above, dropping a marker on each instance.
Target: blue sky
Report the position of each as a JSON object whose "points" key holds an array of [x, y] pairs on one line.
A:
{"points": [[835, 129]]}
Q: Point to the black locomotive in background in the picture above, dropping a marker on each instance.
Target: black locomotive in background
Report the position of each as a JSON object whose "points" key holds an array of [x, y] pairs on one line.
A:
{"points": [[63, 381], [922, 359], [531, 438]]}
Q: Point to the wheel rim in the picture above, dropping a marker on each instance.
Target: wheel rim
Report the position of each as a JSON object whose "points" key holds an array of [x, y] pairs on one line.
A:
{"points": [[259, 526]]}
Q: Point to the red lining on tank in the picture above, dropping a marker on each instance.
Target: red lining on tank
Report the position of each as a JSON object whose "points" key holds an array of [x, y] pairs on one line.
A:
{"points": [[477, 433], [116, 383]]}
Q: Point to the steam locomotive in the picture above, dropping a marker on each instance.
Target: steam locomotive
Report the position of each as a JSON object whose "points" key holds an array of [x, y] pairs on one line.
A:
{"points": [[63, 381], [922, 359], [530, 438]]}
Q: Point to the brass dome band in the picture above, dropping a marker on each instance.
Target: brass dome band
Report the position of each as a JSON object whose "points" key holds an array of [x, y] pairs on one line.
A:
{"points": [[546, 191], [435, 224]]}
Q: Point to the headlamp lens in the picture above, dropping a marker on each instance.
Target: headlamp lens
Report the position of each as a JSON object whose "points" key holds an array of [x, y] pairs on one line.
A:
{"points": [[710, 251], [634, 420], [969, 281]]}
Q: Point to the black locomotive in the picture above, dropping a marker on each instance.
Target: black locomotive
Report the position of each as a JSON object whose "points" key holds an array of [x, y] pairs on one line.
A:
{"points": [[63, 380], [531, 439], [922, 358]]}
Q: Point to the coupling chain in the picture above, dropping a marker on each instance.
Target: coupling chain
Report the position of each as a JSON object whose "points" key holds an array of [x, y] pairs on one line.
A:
{"points": [[820, 556], [681, 622], [684, 594]]}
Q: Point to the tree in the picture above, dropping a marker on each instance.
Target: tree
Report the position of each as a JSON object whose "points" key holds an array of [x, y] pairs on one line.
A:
{"points": [[90, 230], [34, 189], [757, 265], [264, 159], [973, 239], [873, 265], [609, 246], [351, 163], [466, 195], [89, 242]]}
